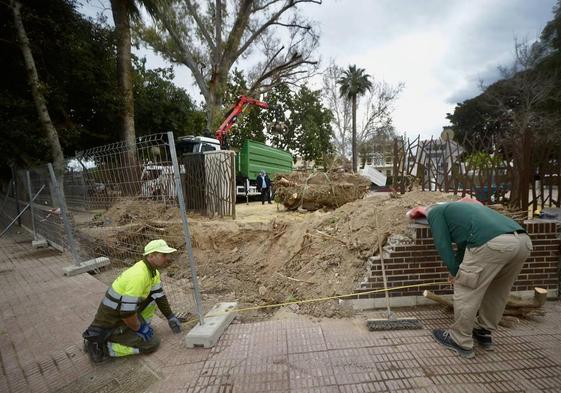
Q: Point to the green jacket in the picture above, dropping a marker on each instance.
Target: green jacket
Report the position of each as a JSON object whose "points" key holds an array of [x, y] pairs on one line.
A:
{"points": [[467, 225]]}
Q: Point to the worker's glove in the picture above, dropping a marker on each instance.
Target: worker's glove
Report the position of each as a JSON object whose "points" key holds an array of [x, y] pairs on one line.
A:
{"points": [[145, 332], [174, 324]]}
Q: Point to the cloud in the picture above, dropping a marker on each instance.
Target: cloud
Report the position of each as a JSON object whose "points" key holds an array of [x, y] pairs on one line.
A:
{"points": [[473, 84], [440, 49]]}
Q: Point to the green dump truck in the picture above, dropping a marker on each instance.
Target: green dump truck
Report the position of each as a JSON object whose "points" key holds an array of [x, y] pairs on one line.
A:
{"points": [[255, 157], [250, 160]]}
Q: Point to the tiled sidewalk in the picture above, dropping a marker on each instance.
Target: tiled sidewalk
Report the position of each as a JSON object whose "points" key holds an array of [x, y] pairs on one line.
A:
{"points": [[43, 313]]}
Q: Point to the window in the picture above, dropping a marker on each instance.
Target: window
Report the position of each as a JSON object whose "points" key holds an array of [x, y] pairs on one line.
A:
{"points": [[207, 147]]}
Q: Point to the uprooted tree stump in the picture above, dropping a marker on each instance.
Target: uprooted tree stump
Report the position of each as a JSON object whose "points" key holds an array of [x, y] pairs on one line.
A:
{"points": [[319, 190], [515, 307]]}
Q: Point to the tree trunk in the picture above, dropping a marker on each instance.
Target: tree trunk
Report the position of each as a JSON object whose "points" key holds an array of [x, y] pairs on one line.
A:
{"points": [[214, 110], [121, 17], [129, 177], [355, 167], [38, 98], [527, 167]]}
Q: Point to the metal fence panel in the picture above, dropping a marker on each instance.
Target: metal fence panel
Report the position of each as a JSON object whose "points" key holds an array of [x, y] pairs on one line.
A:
{"points": [[121, 199], [118, 199], [210, 183]]}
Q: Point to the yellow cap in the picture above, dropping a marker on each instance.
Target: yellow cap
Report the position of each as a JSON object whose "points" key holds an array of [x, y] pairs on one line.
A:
{"points": [[158, 246]]}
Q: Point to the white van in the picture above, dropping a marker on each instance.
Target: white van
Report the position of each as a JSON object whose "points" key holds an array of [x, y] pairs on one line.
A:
{"points": [[157, 181]]}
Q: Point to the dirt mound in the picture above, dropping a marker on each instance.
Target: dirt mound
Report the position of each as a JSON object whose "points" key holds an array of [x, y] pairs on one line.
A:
{"points": [[269, 256], [319, 190], [127, 211]]}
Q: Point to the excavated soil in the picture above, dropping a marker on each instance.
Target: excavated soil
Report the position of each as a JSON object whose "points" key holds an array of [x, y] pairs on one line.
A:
{"points": [[271, 255]]}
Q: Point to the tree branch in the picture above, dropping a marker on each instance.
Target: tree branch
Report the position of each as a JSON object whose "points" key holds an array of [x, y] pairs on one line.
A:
{"points": [[187, 58], [193, 11], [272, 20], [294, 62]]}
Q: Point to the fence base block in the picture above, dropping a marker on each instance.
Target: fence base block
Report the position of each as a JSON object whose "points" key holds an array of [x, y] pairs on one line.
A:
{"points": [[215, 322], [39, 243], [86, 266]]}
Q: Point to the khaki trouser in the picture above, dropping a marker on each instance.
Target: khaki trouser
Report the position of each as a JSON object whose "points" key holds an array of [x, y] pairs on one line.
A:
{"points": [[483, 284]]}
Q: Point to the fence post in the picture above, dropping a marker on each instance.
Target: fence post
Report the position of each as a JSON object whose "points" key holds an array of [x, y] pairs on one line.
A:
{"points": [[65, 219], [186, 232], [30, 193], [234, 188], [16, 194]]}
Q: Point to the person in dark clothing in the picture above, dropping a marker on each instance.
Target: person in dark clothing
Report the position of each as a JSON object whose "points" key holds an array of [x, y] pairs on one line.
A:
{"points": [[264, 186], [491, 250]]}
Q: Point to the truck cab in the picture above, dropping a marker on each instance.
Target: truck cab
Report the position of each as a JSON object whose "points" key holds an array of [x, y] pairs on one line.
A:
{"points": [[196, 144]]}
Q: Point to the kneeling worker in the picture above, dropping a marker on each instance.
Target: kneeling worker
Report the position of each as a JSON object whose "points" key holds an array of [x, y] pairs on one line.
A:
{"points": [[121, 326]]}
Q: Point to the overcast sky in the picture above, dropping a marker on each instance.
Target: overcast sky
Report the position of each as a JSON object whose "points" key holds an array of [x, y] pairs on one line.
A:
{"points": [[440, 49]]}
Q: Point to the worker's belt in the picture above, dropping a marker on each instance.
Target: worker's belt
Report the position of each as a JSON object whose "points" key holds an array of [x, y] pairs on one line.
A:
{"points": [[117, 302], [517, 231]]}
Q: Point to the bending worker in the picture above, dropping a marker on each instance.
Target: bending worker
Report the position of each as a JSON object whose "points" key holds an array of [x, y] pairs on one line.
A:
{"points": [[491, 250], [121, 326]]}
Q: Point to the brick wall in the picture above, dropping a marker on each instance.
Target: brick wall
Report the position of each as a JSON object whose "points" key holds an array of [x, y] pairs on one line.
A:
{"points": [[413, 259]]}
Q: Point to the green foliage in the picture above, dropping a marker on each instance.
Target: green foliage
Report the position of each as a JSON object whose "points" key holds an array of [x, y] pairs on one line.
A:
{"points": [[527, 98], [76, 63], [282, 131], [313, 125], [76, 68], [160, 106], [483, 160], [297, 122], [249, 125], [354, 82]]}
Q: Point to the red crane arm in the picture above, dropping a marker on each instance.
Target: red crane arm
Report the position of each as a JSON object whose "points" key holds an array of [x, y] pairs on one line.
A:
{"points": [[230, 120]]}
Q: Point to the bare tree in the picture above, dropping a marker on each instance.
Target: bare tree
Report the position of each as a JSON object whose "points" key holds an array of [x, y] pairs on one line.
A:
{"points": [[519, 100], [211, 37], [340, 107], [375, 127], [377, 117], [36, 90]]}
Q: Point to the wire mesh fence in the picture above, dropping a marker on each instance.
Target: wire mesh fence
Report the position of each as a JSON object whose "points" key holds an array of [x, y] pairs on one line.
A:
{"points": [[116, 200], [125, 198], [31, 196]]}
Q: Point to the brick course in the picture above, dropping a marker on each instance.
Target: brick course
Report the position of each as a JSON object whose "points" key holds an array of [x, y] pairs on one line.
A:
{"points": [[418, 262]]}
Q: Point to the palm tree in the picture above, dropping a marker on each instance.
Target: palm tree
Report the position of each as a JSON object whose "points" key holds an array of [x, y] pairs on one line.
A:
{"points": [[352, 84]]}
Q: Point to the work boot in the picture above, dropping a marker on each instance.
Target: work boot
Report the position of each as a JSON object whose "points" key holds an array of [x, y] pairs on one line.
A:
{"points": [[442, 337], [483, 337], [95, 351]]}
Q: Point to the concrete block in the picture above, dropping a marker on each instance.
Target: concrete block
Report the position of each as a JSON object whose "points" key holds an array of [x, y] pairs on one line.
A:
{"points": [[86, 266], [215, 322], [39, 243]]}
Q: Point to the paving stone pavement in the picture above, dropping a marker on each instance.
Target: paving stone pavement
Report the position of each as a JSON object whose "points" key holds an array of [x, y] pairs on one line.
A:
{"points": [[42, 315]]}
